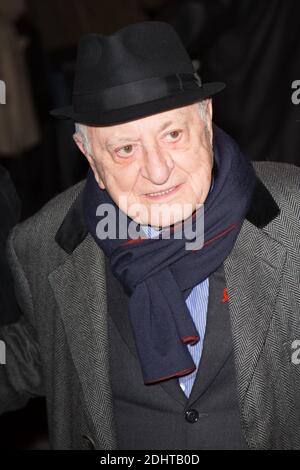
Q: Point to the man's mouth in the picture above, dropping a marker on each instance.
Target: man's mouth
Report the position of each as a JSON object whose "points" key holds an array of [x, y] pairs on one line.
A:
{"points": [[163, 194]]}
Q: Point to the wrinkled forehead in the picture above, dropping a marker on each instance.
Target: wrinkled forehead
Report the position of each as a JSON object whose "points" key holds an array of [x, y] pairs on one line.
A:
{"points": [[110, 135]]}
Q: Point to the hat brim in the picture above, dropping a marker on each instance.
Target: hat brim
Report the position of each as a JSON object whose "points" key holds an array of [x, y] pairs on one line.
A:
{"points": [[138, 111]]}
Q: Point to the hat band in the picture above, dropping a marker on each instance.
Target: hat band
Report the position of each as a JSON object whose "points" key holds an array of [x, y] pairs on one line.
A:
{"points": [[133, 93]]}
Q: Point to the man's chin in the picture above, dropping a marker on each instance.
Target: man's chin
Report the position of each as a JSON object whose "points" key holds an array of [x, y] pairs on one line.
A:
{"points": [[166, 222], [160, 216]]}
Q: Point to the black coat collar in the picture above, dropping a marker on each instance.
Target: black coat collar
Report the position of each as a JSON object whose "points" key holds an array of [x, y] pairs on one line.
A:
{"points": [[73, 229]]}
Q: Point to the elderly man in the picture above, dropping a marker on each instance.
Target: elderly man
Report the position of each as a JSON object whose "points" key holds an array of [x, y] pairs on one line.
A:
{"points": [[137, 341]]}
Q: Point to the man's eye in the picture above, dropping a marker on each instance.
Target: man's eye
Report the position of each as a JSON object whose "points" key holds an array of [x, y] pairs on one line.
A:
{"points": [[125, 151], [174, 135]]}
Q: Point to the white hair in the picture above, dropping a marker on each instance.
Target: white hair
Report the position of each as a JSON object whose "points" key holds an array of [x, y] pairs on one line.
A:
{"points": [[82, 129]]}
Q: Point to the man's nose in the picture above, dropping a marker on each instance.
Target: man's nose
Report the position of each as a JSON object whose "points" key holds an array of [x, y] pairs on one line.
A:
{"points": [[157, 165]]}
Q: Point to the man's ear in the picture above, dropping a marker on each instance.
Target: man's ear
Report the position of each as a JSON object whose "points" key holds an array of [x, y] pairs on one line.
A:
{"points": [[209, 108], [78, 141], [209, 116]]}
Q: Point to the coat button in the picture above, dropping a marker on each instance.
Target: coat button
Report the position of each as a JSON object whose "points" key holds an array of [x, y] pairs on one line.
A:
{"points": [[89, 443], [192, 416]]}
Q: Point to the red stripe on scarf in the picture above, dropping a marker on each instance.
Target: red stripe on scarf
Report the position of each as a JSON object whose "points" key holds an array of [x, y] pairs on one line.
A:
{"points": [[190, 339], [177, 374], [219, 235], [134, 241]]}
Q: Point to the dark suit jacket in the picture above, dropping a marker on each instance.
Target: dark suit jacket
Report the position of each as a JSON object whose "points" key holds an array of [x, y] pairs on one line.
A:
{"points": [[59, 348]]}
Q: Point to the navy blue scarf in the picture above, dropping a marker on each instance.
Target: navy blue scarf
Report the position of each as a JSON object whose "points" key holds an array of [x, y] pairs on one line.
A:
{"points": [[158, 273]]}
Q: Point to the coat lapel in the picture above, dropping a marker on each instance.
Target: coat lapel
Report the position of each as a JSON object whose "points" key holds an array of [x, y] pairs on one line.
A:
{"points": [[217, 341], [253, 273], [79, 288]]}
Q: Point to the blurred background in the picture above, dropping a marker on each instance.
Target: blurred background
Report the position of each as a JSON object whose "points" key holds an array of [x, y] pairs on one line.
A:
{"points": [[254, 47]]}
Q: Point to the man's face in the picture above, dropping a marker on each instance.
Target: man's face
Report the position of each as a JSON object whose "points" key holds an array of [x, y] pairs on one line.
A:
{"points": [[156, 169]]}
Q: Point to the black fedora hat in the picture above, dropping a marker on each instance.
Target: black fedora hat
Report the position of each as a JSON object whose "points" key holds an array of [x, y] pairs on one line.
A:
{"points": [[140, 70]]}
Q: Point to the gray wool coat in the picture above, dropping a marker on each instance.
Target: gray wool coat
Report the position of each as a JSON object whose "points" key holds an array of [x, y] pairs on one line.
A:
{"points": [[59, 346]]}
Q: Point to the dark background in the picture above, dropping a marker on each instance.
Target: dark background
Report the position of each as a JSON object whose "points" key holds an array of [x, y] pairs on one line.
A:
{"points": [[254, 47]]}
